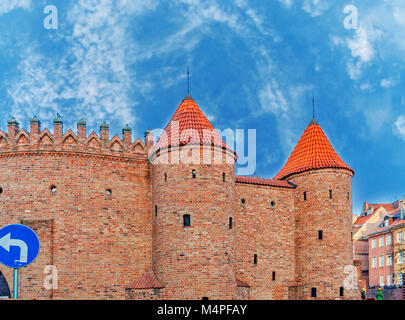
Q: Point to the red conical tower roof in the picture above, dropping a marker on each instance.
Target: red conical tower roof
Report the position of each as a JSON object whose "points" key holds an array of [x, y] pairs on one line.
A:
{"points": [[189, 125], [313, 151]]}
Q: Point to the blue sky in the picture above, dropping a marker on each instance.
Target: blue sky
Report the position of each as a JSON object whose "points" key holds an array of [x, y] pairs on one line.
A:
{"points": [[254, 65]]}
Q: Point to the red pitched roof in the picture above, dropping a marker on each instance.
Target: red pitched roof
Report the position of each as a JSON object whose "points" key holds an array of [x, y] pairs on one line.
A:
{"points": [[313, 151], [362, 219], [262, 181], [147, 281], [190, 126], [396, 223]]}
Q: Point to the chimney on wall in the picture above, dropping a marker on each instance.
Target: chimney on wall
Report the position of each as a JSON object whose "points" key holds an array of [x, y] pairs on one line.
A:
{"points": [[366, 206]]}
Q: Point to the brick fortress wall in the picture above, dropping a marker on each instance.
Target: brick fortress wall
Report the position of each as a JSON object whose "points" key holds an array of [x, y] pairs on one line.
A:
{"points": [[320, 263], [89, 200]]}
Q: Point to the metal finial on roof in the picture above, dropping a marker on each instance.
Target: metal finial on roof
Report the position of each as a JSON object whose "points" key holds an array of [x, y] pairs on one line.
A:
{"points": [[313, 107], [188, 80]]}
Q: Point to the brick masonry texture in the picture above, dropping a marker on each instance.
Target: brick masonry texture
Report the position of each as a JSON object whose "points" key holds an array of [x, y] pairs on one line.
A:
{"points": [[118, 214]]}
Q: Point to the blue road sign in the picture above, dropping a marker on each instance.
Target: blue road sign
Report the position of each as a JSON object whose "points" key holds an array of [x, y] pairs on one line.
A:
{"points": [[19, 246]]}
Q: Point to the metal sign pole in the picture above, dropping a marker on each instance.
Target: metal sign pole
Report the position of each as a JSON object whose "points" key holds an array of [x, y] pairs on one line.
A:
{"points": [[15, 284]]}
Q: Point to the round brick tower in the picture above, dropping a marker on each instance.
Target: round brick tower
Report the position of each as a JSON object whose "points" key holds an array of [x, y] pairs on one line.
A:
{"points": [[323, 217], [193, 189]]}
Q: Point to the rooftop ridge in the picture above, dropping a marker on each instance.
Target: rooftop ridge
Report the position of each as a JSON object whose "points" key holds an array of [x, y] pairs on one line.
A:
{"points": [[19, 139]]}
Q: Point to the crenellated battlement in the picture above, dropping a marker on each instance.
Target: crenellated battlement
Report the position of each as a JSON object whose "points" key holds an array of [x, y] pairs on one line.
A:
{"points": [[16, 139]]}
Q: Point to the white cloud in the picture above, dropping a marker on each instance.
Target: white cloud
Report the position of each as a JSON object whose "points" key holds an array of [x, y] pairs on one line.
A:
{"points": [[360, 45], [387, 83], [93, 74], [9, 5], [287, 3], [399, 127], [315, 7]]}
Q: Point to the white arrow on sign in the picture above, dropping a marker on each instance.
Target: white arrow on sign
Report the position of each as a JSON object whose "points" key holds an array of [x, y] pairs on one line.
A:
{"points": [[6, 242]]}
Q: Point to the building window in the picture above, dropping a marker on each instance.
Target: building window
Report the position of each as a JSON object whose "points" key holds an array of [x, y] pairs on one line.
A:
{"points": [[165, 176], [223, 177], [313, 292], [399, 237], [274, 276], [382, 261], [348, 196], [186, 220], [341, 293], [255, 259], [389, 239], [330, 194], [272, 204], [382, 241], [389, 279], [108, 192], [1, 190], [374, 262], [242, 201], [374, 243], [386, 221], [400, 279], [305, 196], [230, 222], [389, 260], [156, 210], [53, 189], [382, 281], [400, 257], [320, 235], [193, 173]]}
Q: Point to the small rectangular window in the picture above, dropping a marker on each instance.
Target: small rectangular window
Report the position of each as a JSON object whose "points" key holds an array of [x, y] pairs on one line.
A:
{"points": [[165, 176], [274, 275], [313, 292], [320, 235], [330, 194], [186, 220], [193, 174], [156, 210], [305, 196], [230, 223], [255, 259], [341, 291]]}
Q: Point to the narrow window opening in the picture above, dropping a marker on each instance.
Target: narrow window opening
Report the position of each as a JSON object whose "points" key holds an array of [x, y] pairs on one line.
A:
{"points": [[223, 176], [341, 292], [320, 235], [53, 189], [194, 174], [305, 196], [313, 292], [242, 201], [108, 192], [186, 220], [255, 259], [274, 275], [348, 196], [156, 210], [330, 194], [272, 204], [230, 223], [1, 190], [165, 176]]}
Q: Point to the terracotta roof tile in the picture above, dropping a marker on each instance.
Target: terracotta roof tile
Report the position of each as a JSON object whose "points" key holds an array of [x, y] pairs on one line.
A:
{"points": [[313, 151], [147, 281], [190, 126], [262, 181]]}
